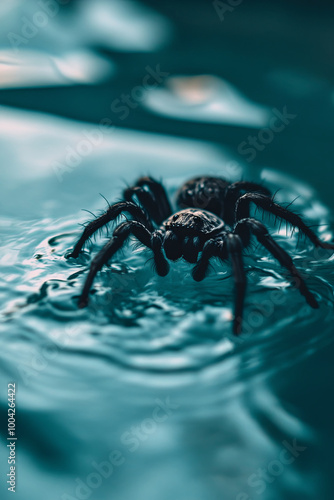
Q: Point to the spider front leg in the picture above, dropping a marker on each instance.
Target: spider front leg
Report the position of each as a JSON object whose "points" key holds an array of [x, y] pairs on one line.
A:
{"points": [[223, 246], [109, 215], [245, 226], [233, 193], [120, 235], [159, 194], [154, 198], [212, 248], [266, 203], [234, 249], [146, 200]]}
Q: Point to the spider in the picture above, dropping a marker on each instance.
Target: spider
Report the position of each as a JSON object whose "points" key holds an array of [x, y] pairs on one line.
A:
{"points": [[213, 220]]}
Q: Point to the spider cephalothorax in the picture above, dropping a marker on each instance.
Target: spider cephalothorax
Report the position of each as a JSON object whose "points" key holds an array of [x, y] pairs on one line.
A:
{"points": [[214, 221]]}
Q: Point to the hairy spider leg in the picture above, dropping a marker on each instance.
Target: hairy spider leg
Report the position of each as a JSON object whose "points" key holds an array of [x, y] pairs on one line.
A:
{"points": [[159, 194], [223, 246], [154, 199], [212, 248], [160, 262], [120, 235], [266, 203], [233, 193], [146, 199], [234, 250], [262, 235], [109, 215]]}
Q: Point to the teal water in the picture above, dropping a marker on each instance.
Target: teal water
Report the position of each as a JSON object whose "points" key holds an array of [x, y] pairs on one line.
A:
{"points": [[146, 394]]}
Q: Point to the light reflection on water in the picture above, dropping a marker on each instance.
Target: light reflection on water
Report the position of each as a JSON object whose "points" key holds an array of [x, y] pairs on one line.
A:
{"points": [[86, 377], [206, 98], [38, 69]]}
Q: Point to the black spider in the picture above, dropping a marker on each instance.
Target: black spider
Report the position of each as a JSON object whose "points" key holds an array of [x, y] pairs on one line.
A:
{"points": [[214, 221]]}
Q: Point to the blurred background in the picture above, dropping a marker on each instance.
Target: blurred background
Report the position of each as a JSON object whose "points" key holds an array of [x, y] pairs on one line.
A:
{"points": [[93, 95], [273, 54]]}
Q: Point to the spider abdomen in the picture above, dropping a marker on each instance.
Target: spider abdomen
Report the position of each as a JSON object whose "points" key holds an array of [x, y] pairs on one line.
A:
{"points": [[206, 193]]}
